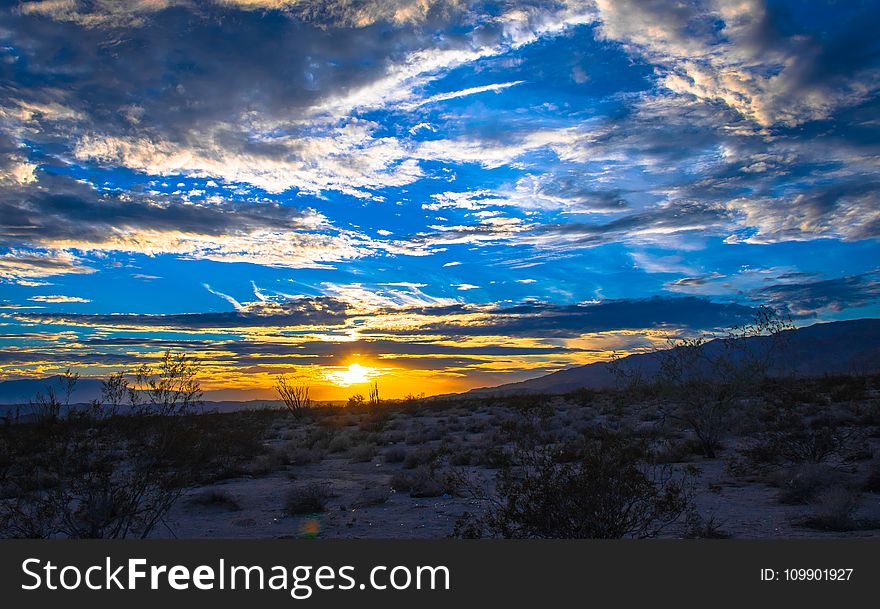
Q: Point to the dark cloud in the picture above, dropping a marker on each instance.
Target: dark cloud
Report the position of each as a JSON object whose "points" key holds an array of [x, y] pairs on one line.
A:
{"points": [[320, 311], [183, 71], [59, 209], [547, 320], [528, 319], [829, 295]]}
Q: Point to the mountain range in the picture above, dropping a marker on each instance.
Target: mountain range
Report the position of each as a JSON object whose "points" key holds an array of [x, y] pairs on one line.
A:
{"points": [[841, 347]]}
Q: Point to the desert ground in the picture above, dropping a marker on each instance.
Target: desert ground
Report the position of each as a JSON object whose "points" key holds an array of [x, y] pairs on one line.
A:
{"points": [[797, 458], [398, 472]]}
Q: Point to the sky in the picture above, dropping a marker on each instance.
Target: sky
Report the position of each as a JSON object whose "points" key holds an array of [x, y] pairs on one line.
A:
{"points": [[446, 194]]}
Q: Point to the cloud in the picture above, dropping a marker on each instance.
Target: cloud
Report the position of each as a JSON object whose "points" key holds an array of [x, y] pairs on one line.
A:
{"points": [[346, 159], [809, 299], [18, 264], [299, 313], [55, 299], [849, 209], [63, 214], [136, 13], [548, 320], [463, 93], [226, 297], [744, 54]]}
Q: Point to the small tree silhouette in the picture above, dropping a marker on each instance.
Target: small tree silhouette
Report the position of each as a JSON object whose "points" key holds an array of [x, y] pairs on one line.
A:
{"points": [[171, 388], [48, 406], [706, 376], [294, 395]]}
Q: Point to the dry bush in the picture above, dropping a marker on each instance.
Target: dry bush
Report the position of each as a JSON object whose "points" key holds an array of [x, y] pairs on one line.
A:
{"points": [[294, 395], [213, 498], [339, 444], [395, 454], [798, 445], [802, 483], [362, 453], [608, 492], [423, 482], [706, 379], [307, 499], [419, 456], [372, 496], [834, 510]]}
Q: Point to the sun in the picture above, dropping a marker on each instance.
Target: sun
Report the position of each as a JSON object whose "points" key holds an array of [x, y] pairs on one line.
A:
{"points": [[355, 374]]}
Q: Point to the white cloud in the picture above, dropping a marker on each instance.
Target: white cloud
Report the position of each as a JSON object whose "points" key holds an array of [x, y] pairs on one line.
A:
{"points": [[738, 64], [19, 264], [237, 305], [56, 299], [346, 159]]}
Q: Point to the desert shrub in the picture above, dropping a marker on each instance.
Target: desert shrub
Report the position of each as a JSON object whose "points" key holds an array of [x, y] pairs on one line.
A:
{"points": [[675, 451], [295, 455], [609, 492], [801, 484], [460, 457], [212, 498], [420, 483], [293, 394], [476, 425], [490, 457], [395, 454], [318, 438], [307, 499], [393, 436], [339, 443], [80, 481], [417, 457], [415, 437], [706, 378], [375, 420], [825, 444], [834, 510], [116, 477], [699, 527], [362, 453], [376, 495]]}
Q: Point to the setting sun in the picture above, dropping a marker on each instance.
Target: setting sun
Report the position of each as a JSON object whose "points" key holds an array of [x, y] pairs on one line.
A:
{"points": [[355, 374]]}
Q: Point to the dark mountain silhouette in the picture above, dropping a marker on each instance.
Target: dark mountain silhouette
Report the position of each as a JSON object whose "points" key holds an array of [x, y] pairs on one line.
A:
{"points": [[24, 391], [843, 347]]}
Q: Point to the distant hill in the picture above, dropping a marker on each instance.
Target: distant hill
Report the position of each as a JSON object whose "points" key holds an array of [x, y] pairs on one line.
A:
{"points": [[824, 348], [23, 391]]}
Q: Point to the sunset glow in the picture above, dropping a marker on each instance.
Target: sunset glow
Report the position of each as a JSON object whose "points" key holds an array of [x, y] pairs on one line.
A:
{"points": [[355, 374]]}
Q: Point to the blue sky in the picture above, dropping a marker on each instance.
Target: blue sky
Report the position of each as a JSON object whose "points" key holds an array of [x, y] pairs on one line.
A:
{"points": [[449, 193]]}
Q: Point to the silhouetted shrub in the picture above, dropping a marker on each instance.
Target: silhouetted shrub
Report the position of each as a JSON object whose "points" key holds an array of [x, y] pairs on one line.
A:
{"points": [[834, 510], [802, 483], [213, 498], [608, 492], [395, 454], [362, 453], [307, 499]]}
